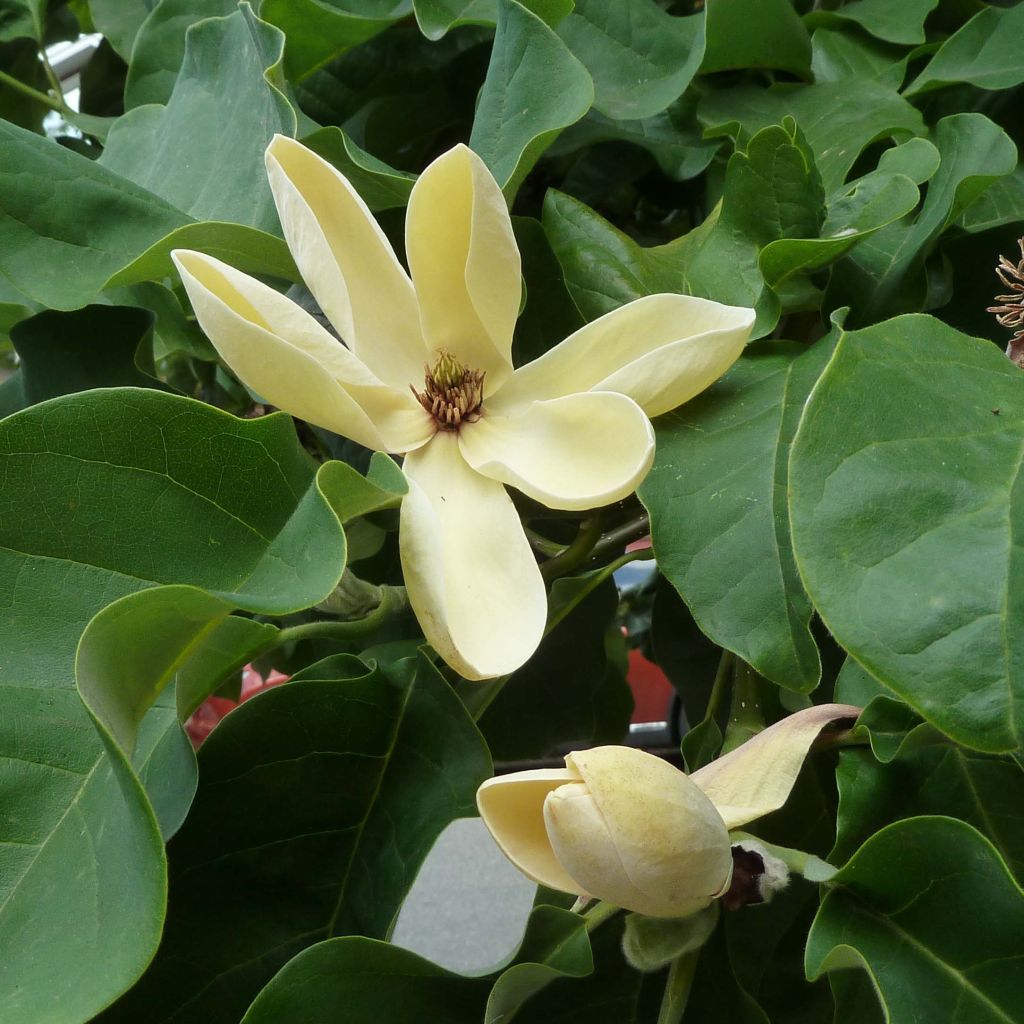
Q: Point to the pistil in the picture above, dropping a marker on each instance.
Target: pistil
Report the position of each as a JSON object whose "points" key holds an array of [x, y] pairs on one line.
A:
{"points": [[452, 394]]}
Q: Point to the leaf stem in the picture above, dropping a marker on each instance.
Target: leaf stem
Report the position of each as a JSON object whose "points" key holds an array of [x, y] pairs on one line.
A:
{"points": [[26, 90], [677, 988], [745, 716], [635, 529], [51, 76], [598, 914], [393, 600], [573, 556]]}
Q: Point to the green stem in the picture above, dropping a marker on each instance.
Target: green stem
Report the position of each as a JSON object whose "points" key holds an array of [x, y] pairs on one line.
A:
{"points": [[598, 914], [745, 717], [545, 547], [722, 676], [52, 79], [26, 90], [326, 629], [677, 988], [571, 557], [635, 529]]}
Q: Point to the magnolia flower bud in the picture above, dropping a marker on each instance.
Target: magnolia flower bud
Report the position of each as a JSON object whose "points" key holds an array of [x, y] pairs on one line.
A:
{"points": [[617, 824]]}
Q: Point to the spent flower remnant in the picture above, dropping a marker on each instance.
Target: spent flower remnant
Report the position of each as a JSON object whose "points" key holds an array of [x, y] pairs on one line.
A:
{"points": [[626, 827], [426, 371]]}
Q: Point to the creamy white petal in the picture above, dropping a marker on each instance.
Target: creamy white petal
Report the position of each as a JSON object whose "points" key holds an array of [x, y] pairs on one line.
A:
{"points": [[464, 262], [577, 452], [472, 579], [668, 836], [282, 353], [512, 808], [756, 778], [347, 262], [660, 350]]}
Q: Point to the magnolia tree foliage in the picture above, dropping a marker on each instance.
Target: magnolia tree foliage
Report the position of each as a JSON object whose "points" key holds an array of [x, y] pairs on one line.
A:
{"points": [[358, 343]]}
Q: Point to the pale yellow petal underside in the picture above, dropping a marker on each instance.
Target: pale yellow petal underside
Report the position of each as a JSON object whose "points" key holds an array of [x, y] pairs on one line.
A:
{"points": [[757, 777]]}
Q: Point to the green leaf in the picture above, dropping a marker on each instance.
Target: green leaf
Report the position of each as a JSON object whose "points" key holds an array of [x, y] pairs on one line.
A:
{"points": [[120, 21], [245, 248], [895, 23], [82, 872], [839, 55], [905, 507], [640, 57], [985, 52], [94, 347], [188, 152], [319, 30], [138, 644], [584, 699], [1001, 203], [68, 223], [888, 276], [839, 119], [612, 994], [984, 791], [21, 19], [928, 908], [604, 268], [323, 795], [534, 88], [381, 186], [673, 137], [438, 17], [855, 213], [549, 315], [363, 981], [717, 501], [159, 47], [755, 34], [555, 946]]}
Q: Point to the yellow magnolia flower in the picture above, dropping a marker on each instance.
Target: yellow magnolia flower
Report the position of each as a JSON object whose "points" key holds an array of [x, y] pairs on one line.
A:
{"points": [[625, 826], [425, 371]]}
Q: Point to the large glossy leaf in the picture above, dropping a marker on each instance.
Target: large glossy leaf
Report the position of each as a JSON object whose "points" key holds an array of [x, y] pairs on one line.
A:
{"points": [[855, 212], [640, 58], [895, 23], [68, 223], [985, 52], [323, 796], [554, 946], [159, 47], [905, 499], [888, 276], [839, 119], [318, 30], [120, 21], [755, 34], [534, 88], [717, 500], [98, 346], [937, 778], [247, 249], [145, 488], [604, 268], [928, 908], [191, 154], [364, 981], [841, 55]]}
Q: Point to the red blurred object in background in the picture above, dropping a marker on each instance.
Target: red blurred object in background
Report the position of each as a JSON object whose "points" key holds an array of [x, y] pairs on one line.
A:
{"points": [[213, 709]]}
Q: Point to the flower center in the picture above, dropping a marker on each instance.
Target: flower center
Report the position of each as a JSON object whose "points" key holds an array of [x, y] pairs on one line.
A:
{"points": [[451, 393]]}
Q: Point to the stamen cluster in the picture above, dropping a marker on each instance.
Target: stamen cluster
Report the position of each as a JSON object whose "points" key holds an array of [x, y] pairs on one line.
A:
{"points": [[1010, 312], [452, 394]]}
